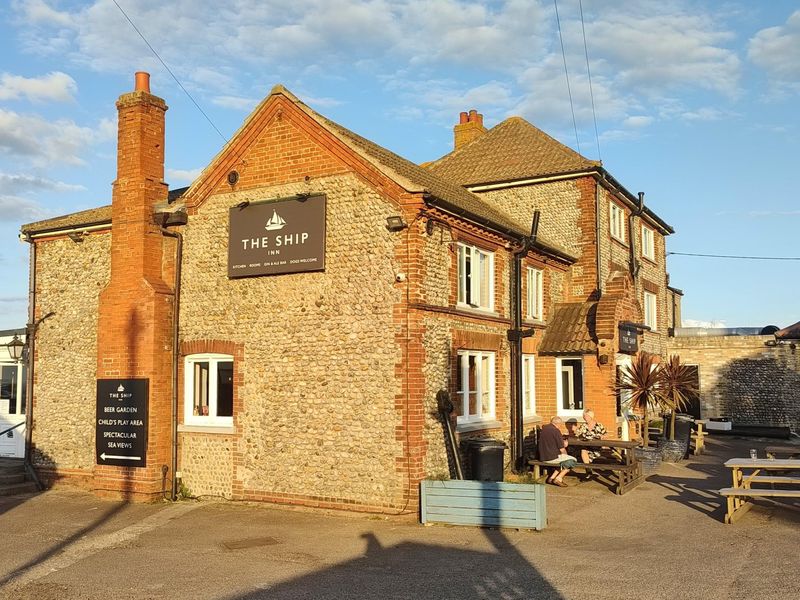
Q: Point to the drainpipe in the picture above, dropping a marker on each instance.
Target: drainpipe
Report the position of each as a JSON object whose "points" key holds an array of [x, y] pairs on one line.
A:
{"points": [[515, 336], [175, 353]]}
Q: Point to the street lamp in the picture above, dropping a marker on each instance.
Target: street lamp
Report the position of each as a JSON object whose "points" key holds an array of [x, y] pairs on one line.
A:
{"points": [[15, 347]]}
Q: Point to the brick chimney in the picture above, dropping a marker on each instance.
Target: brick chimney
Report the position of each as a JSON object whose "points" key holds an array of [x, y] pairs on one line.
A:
{"points": [[134, 338], [470, 126]]}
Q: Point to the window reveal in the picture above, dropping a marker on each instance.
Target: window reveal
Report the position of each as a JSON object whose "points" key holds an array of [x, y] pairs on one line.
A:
{"points": [[475, 277], [209, 389], [475, 385], [570, 384]]}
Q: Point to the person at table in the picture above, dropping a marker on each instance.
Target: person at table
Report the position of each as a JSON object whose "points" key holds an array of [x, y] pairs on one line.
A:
{"points": [[590, 429], [553, 449]]}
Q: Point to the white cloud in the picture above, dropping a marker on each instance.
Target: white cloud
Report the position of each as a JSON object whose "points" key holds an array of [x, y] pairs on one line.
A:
{"points": [[713, 324], [40, 12], [17, 209], [777, 51], [183, 175], [56, 86], [638, 121], [20, 183], [235, 102], [44, 142]]}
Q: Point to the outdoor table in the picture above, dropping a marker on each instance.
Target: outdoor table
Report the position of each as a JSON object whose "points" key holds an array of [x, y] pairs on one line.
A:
{"points": [[745, 473], [628, 470], [782, 451]]}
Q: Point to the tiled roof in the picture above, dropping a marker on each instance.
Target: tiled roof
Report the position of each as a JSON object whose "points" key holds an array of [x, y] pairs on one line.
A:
{"points": [[84, 218], [511, 150], [93, 216], [792, 332], [571, 330]]}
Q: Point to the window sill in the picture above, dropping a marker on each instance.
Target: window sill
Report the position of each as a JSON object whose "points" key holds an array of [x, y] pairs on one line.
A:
{"points": [[477, 310], [220, 429], [477, 426], [622, 243], [650, 259], [529, 321], [532, 419]]}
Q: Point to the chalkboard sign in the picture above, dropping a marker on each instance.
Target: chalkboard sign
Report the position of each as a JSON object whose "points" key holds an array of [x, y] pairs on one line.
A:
{"points": [[121, 423]]}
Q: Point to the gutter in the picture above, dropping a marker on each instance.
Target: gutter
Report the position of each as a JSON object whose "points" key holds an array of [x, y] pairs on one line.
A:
{"points": [[624, 195], [516, 235], [27, 236]]}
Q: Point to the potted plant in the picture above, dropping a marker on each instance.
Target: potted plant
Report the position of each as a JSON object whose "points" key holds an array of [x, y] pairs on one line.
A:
{"points": [[676, 386], [640, 382]]}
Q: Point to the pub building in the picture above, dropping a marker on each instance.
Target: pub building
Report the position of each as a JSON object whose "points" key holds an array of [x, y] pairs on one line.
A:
{"points": [[280, 329]]}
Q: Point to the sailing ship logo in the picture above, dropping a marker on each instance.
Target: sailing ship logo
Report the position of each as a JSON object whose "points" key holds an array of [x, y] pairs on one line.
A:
{"points": [[275, 222]]}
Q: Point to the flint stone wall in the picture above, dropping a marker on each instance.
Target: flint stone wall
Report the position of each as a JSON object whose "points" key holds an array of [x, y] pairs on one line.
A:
{"points": [[742, 378], [319, 393], [69, 279]]}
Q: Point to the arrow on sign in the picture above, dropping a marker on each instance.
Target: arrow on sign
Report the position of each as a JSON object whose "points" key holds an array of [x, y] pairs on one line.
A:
{"points": [[105, 456]]}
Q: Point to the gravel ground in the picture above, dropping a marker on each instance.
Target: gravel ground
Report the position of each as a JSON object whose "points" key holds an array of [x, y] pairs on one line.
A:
{"points": [[664, 539]]}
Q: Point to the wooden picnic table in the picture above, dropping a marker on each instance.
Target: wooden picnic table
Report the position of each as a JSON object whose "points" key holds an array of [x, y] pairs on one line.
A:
{"points": [[699, 436], [746, 471], [782, 451], [626, 468]]}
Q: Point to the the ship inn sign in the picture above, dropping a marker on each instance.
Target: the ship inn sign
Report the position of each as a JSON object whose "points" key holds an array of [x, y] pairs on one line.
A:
{"points": [[275, 237], [121, 424]]}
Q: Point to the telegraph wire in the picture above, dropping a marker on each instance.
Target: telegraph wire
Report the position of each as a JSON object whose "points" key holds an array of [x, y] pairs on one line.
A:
{"points": [[566, 74], [591, 91], [153, 50], [735, 257]]}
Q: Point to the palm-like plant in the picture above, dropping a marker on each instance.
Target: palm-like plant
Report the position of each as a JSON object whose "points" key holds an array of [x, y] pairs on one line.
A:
{"points": [[640, 381], [676, 387]]}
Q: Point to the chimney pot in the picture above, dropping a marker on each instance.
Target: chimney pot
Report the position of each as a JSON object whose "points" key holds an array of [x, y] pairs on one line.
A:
{"points": [[480, 119], [142, 82], [463, 118], [473, 115]]}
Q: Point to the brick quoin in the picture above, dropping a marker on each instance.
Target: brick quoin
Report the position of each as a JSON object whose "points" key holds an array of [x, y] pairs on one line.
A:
{"points": [[134, 336]]}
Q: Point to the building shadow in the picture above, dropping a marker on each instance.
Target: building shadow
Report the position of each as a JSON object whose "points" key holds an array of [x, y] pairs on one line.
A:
{"points": [[412, 570]]}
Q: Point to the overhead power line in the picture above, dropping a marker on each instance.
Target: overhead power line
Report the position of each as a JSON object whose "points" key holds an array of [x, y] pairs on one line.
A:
{"points": [[566, 74], [153, 50], [736, 257], [589, 73]]}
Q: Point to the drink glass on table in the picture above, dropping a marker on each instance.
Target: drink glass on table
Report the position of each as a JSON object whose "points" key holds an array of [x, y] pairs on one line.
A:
{"points": [[753, 454]]}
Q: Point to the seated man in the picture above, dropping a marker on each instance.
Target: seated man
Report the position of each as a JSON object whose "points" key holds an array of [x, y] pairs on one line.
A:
{"points": [[553, 450], [590, 429]]}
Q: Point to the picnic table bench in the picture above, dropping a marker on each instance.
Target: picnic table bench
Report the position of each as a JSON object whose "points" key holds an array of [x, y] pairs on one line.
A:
{"points": [[627, 471], [699, 436], [782, 451], [746, 472]]}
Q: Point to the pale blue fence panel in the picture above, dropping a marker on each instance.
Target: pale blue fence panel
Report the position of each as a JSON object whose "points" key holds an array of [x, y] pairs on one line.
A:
{"points": [[484, 503]]}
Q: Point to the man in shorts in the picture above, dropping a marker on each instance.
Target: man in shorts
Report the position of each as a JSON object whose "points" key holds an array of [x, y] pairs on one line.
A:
{"points": [[553, 450]]}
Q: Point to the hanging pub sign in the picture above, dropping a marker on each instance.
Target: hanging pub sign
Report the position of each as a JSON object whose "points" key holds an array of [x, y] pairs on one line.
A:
{"points": [[121, 423], [275, 237], [628, 338]]}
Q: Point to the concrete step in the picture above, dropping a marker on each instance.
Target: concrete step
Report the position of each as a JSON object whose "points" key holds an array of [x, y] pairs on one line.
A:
{"points": [[26, 487], [11, 466]]}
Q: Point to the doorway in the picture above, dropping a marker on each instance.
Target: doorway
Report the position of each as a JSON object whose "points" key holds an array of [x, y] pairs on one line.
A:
{"points": [[12, 410]]}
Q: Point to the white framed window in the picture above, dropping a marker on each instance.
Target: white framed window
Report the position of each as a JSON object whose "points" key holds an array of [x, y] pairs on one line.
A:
{"points": [[208, 390], [528, 385], [569, 385], [475, 386], [475, 277], [616, 216], [648, 243], [12, 391], [650, 312], [535, 292]]}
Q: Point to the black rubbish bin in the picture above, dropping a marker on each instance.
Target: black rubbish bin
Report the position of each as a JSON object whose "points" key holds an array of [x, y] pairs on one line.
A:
{"points": [[486, 459]]}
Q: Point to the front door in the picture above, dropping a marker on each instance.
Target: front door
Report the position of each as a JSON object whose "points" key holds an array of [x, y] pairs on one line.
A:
{"points": [[12, 409], [624, 429]]}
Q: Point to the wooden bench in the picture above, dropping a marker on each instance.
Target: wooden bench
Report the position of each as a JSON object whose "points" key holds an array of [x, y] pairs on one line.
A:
{"points": [[627, 476], [699, 436], [738, 497], [782, 451]]}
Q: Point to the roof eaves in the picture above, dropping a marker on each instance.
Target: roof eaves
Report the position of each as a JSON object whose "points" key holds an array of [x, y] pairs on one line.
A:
{"points": [[658, 221]]}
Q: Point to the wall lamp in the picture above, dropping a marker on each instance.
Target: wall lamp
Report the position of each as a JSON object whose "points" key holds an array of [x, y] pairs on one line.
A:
{"points": [[395, 223], [15, 348]]}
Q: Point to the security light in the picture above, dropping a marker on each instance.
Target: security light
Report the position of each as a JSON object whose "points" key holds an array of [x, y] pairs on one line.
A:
{"points": [[395, 223]]}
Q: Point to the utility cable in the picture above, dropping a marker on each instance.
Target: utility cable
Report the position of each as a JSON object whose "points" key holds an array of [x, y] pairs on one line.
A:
{"points": [[566, 74], [153, 50], [591, 91], [735, 257]]}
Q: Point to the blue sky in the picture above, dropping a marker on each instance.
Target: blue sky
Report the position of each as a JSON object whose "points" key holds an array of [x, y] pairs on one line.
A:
{"points": [[696, 105]]}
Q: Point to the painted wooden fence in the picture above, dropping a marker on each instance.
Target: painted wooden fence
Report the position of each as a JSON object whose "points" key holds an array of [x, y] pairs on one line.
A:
{"points": [[484, 503]]}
